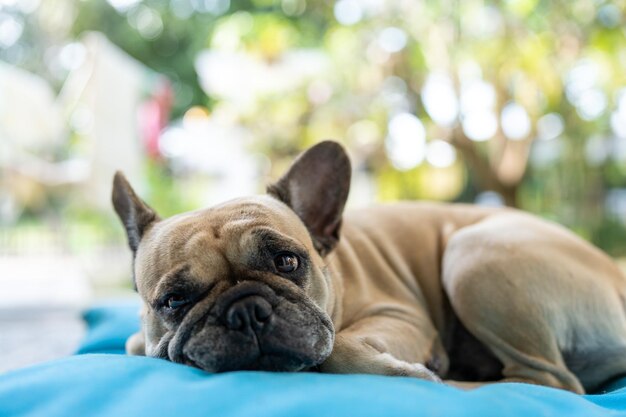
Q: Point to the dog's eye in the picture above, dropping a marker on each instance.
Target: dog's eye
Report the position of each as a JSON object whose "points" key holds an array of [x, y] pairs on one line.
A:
{"points": [[286, 262], [175, 301]]}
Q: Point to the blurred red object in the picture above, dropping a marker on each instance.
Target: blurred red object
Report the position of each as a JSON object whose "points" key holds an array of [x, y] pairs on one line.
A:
{"points": [[154, 114]]}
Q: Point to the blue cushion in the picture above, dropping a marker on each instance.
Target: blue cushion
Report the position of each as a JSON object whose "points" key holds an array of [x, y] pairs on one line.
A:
{"points": [[105, 384], [109, 326]]}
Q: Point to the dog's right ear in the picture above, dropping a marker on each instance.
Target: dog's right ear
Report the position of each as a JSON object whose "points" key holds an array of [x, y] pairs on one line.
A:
{"points": [[135, 215], [316, 188]]}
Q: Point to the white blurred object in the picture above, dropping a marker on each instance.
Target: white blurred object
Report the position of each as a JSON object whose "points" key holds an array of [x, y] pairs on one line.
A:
{"points": [[243, 78], [480, 125], [214, 146], [550, 126], [597, 150], [45, 280], [489, 199], [29, 116], [515, 121], [123, 5], [406, 141], [591, 104], [348, 12], [615, 203], [544, 153], [477, 94], [582, 89], [440, 153], [101, 98], [32, 128], [478, 100], [392, 39], [440, 99], [618, 117], [11, 29]]}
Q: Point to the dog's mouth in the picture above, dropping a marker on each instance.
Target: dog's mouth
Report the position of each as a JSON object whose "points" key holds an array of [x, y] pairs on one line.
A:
{"points": [[255, 332], [261, 352]]}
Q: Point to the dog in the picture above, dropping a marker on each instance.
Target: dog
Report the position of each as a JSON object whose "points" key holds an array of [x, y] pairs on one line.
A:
{"points": [[454, 292]]}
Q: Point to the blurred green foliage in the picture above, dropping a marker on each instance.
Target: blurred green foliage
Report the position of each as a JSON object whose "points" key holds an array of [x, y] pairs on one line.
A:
{"points": [[559, 58]]}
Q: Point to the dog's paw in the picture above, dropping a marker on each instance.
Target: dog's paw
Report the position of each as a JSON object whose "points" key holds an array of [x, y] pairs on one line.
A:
{"points": [[398, 367], [135, 344], [420, 371]]}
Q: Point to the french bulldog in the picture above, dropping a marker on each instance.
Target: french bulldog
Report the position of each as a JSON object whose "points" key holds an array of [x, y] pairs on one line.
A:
{"points": [[286, 282]]}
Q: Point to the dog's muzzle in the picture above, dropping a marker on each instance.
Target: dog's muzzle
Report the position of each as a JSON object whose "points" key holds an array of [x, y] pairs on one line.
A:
{"points": [[250, 326], [246, 306], [251, 312]]}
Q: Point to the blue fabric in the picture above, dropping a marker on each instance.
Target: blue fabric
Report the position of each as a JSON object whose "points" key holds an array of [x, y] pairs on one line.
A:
{"points": [[109, 326], [105, 384]]}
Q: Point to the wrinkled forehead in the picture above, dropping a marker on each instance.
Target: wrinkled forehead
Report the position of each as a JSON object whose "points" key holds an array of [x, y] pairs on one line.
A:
{"points": [[213, 235]]}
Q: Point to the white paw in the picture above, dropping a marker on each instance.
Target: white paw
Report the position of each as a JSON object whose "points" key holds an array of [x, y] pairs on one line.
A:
{"points": [[423, 372], [401, 368]]}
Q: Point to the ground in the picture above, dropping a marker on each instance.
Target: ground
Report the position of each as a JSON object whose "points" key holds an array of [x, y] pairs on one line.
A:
{"points": [[42, 297]]}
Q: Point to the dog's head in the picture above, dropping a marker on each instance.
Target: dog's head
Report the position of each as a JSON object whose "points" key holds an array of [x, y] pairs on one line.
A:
{"points": [[242, 285]]}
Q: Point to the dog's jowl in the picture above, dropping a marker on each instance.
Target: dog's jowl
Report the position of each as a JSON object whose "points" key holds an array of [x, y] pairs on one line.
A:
{"points": [[288, 282]]}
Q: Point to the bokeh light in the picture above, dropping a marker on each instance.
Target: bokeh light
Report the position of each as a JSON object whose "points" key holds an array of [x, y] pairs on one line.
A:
{"points": [[348, 12], [480, 125], [440, 99], [406, 141], [515, 121], [10, 30], [440, 153], [392, 39], [550, 126]]}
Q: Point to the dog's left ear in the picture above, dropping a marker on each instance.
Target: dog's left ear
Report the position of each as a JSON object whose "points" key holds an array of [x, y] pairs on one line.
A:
{"points": [[135, 214], [316, 187]]}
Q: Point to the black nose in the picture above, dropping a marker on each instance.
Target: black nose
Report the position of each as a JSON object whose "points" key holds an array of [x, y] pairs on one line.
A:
{"points": [[251, 311]]}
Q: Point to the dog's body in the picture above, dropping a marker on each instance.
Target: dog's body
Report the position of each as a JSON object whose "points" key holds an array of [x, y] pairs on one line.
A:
{"points": [[476, 294], [549, 306]]}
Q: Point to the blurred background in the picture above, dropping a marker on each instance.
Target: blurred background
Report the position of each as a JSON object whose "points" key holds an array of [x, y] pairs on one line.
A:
{"points": [[518, 102]]}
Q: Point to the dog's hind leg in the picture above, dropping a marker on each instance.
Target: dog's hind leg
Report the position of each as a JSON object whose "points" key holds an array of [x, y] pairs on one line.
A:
{"points": [[522, 298], [522, 341]]}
